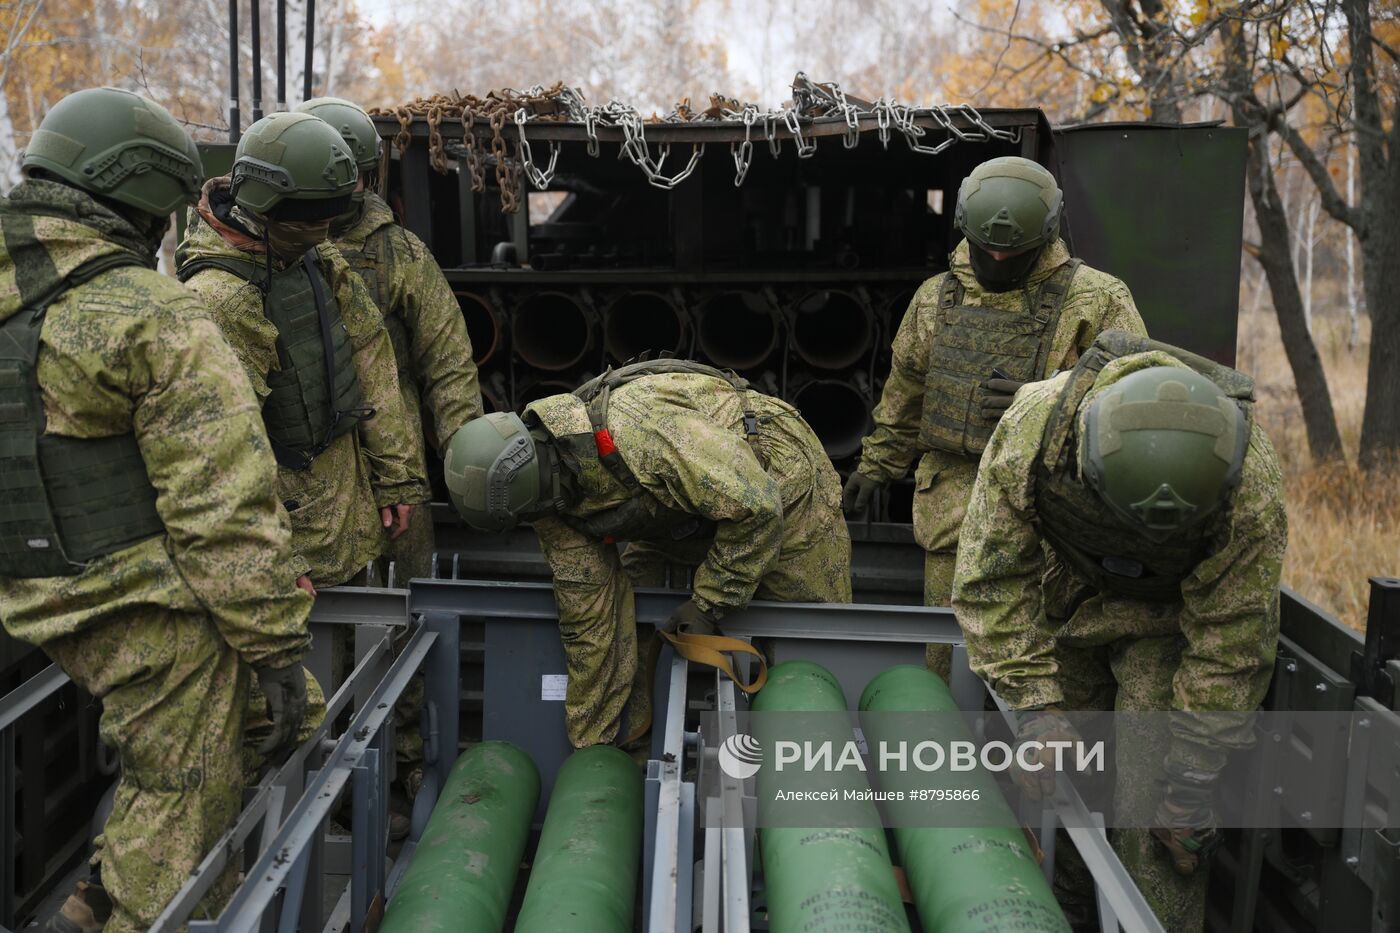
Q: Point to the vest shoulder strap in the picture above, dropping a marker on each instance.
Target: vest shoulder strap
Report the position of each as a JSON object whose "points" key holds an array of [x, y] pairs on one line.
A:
{"points": [[250, 270], [950, 293]]}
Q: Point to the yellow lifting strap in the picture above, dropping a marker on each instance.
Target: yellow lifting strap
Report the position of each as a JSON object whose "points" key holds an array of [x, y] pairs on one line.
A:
{"points": [[710, 650], [714, 651]]}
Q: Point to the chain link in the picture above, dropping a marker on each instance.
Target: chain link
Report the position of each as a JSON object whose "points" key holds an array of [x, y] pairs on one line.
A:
{"points": [[811, 101]]}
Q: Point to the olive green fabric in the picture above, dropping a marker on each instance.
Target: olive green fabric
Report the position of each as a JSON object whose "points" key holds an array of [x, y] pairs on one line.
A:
{"points": [[64, 501], [1010, 204], [1041, 632], [778, 532], [303, 413], [437, 377], [969, 342], [1016, 602], [118, 145], [424, 320], [290, 155], [352, 123], [943, 480], [1164, 448], [334, 504], [1118, 554], [162, 631]]}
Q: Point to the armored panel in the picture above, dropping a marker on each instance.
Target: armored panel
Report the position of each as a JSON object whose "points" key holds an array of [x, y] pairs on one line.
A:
{"points": [[1162, 208]]}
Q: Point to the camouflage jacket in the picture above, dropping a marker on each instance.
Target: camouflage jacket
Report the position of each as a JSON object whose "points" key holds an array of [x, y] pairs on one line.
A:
{"points": [[682, 436], [1228, 614], [133, 351], [333, 504], [422, 316], [1096, 301]]}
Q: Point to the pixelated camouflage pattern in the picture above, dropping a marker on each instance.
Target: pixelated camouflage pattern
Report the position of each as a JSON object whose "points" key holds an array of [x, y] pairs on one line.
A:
{"points": [[158, 631], [969, 340], [1134, 674], [942, 482], [1040, 635], [422, 316], [779, 532], [334, 504], [431, 346]]}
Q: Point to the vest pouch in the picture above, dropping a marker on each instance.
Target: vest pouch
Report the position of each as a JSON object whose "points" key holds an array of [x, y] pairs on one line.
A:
{"points": [[64, 501], [101, 497], [311, 400], [972, 341]]}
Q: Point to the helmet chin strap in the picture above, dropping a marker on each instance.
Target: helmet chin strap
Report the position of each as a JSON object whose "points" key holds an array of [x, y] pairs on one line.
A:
{"points": [[551, 495]]}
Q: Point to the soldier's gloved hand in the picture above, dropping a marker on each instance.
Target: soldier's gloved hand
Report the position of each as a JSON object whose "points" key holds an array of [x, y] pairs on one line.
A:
{"points": [[1186, 819], [691, 620], [390, 513], [997, 397], [1038, 728], [285, 690], [860, 489]]}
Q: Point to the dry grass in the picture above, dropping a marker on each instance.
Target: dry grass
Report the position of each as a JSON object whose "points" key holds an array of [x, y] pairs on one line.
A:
{"points": [[1344, 527]]}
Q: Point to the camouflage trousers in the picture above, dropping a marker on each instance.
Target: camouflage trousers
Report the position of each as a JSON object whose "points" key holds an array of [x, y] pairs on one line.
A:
{"points": [[176, 706], [412, 552], [813, 567], [942, 489], [1129, 674]]}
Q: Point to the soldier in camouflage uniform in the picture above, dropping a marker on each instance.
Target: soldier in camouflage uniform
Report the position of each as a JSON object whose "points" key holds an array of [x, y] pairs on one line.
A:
{"points": [[1013, 308], [433, 353], [425, 323], [141, 543], [312, 341], [688, 464], [1122, 550]]}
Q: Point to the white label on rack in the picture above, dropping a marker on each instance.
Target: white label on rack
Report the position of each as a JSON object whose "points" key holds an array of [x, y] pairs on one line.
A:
{"points": [[554, 686]]}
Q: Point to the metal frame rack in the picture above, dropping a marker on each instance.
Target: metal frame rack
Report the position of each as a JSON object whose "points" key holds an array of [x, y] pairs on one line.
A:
{"points": [[1291, 878]]}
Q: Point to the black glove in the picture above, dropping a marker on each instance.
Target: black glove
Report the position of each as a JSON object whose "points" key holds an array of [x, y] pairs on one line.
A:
{"points": [[638, 519], [996, 397], [1186, 819], [690, 619], [1040, 726], [285, 690], [860, 489]]}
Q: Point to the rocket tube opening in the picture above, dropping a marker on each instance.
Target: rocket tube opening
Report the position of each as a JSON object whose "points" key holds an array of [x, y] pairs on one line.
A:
{"points": [[832, 329], [541, 388], [837, 412], [641, 321], [551, 331], [737, 329], [483, 326]]}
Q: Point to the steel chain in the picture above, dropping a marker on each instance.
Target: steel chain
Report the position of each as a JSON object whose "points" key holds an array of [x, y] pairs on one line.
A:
{"points": [[811, 101]]}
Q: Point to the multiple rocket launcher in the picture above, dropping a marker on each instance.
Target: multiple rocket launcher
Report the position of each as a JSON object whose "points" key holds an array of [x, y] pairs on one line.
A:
{"points": [[584, 870]]}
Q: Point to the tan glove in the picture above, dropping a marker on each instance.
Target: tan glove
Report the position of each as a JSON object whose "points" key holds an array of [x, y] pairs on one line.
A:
{"points": [[1042, 727]]}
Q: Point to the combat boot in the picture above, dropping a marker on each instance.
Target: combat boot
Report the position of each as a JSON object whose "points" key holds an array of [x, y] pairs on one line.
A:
{"points": [[86, 911]]}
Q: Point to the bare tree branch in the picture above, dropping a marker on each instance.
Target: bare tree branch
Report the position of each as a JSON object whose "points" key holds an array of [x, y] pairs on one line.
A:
{"points": [[1332, 200]]}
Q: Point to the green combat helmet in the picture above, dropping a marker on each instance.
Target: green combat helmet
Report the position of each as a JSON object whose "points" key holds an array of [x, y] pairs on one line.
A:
{"points": [[352, 123], [1010, 205], [293, 157], [1163, 447], [120, 146], [492, 472]]}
